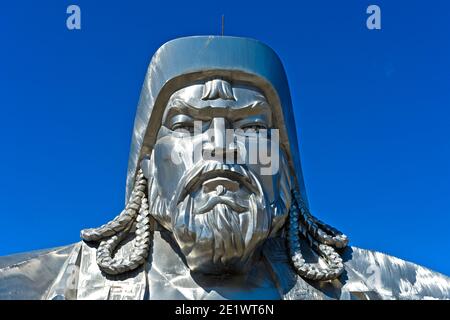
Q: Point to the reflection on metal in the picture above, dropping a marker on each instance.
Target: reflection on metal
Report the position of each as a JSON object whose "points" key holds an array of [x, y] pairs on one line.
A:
{"points": [[205, 227]]}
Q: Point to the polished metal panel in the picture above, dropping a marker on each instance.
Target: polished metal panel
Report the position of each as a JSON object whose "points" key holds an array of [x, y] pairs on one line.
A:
{"points": [[65, 286], [202, 219], [29, 275]]}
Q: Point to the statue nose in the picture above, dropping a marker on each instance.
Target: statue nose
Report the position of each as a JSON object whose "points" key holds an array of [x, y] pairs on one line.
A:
{"points": [[218, 133], [218, 145]]}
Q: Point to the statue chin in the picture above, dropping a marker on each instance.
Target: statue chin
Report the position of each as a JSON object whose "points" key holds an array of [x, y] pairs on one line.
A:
{"points": [[223, 239], [206, 265]]}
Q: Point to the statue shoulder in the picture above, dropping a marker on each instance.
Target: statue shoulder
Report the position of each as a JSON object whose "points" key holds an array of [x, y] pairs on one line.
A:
{"points": [[29, 275], [394, 278], [368, 275]]}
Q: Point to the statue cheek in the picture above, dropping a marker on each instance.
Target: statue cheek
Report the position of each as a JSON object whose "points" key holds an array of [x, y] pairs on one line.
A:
{"points": [[172, 158], [263, 159]]}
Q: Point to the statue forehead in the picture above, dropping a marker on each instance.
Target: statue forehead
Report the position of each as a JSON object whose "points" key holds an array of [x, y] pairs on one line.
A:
{"points": [[195, 95]]}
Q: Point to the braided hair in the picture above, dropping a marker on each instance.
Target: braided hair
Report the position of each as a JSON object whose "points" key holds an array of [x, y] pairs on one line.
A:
{"points": [[135, 215], [322, 239]]}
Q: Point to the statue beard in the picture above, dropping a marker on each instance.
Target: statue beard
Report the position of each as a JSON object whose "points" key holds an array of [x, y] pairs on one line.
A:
{"points": [[227, 237], [221, 239]]}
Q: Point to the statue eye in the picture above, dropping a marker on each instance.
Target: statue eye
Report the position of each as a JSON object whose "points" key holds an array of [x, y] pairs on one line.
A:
{"points": [[182, 123], [253, 128], [183, 127], [252, 125]]}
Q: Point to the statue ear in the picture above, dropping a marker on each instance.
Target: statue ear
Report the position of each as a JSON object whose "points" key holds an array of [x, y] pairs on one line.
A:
{"points": [[146, 166]]}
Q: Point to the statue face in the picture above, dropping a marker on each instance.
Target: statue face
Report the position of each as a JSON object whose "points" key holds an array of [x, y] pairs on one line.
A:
{"points": [[203, 184]]}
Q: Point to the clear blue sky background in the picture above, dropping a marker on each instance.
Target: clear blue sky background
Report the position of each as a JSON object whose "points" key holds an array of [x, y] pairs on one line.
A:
{"points": [[372, 108]]}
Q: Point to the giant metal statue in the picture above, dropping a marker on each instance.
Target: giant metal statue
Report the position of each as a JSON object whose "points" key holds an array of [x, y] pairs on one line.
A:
{"points": [[207, 214]]}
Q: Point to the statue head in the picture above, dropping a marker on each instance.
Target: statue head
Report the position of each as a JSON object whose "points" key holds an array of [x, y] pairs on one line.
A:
{"points": [[209, 181], [214, 160]]}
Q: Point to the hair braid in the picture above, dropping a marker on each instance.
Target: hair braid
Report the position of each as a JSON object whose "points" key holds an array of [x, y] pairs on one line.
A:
{"points": [[136, 214], [322, 239]]}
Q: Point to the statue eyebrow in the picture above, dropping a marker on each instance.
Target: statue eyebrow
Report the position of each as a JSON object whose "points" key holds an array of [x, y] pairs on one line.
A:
{"points": [[179, 106]]}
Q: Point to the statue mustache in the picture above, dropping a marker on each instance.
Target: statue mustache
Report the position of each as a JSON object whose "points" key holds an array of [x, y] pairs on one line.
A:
{"points": [[204, 170]]}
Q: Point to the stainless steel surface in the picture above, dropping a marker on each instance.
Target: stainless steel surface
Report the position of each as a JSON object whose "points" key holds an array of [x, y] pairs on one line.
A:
{"points": [[29, 275], [217, 226], [368, 275]]}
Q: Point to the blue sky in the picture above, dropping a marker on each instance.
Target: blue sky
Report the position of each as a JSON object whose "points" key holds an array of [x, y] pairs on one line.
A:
{"points": [[372, 108]]}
